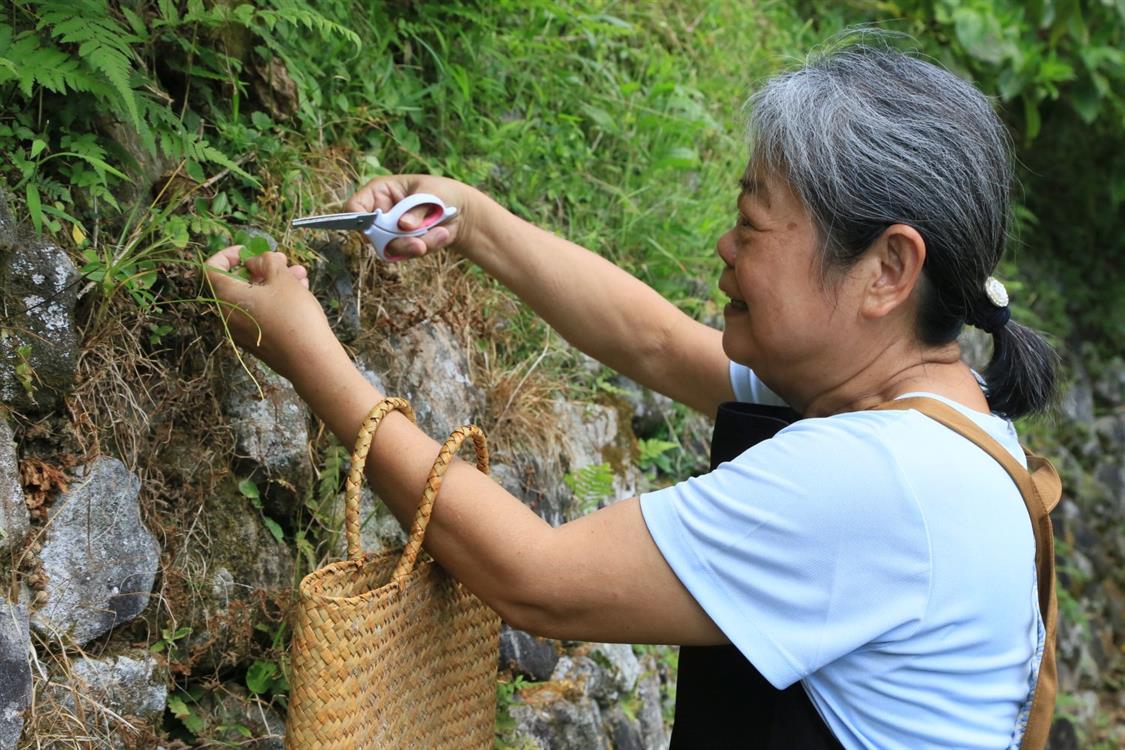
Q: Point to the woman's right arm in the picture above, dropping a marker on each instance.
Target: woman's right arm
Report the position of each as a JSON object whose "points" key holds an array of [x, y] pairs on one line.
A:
{"points": [[596, 306]]}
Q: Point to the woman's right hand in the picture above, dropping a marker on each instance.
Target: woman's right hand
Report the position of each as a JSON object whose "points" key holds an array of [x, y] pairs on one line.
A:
{"points": [[384, 192]]}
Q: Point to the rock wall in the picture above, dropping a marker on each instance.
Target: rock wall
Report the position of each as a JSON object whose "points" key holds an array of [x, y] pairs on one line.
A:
{"points": [[147, 593]]}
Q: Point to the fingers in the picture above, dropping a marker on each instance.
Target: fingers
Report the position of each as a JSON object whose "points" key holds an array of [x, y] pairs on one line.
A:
{"points": [[381, 193], [266, 267], [301, 274], [262, 269], [413, 218], [225, 259], [219, 267], [415, 247]]}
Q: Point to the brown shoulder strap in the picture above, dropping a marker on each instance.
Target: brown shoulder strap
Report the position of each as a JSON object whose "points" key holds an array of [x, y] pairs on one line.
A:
{"points": [[1041, 489]]}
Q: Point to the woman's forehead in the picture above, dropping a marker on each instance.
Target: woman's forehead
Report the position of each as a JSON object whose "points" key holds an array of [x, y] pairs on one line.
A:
{"points": [[753, 187], [768, 189]]}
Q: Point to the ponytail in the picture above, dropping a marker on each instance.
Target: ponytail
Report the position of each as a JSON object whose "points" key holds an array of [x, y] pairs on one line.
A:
{"points": [[1021, 376]]}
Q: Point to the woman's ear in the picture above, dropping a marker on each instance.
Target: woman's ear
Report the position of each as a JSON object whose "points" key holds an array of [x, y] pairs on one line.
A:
{"points": [[896, 260]]}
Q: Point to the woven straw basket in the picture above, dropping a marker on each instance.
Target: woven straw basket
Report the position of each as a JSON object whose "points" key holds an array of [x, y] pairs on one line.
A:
{"points": [[386, 653]]}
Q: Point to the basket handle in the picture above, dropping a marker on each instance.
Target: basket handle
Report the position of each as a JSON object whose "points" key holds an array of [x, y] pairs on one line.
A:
{"points": [[433, 484], [359, 459]]}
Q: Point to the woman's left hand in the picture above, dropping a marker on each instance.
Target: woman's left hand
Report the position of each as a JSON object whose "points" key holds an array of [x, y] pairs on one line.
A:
{"points": [[273, 315]]}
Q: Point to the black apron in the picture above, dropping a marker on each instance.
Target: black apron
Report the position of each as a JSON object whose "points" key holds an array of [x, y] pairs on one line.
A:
{"points": [[722, 701]]}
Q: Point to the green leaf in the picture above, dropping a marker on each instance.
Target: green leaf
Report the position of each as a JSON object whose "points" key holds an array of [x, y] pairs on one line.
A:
{"points": [[275, 528], [980, 35], [1085, 100], [194, 723], [678, 157], [249, 489], [253, 246], [177, 706], [194, 171], [34, 206], [37, 147], [260, 675], [180, 710]]}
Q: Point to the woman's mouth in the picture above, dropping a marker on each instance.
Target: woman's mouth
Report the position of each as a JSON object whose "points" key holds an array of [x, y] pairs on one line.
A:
{"points": [[735, 306]]}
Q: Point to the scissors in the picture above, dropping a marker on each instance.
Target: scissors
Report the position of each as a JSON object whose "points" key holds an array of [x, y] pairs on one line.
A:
{"points": [[380, 228]]}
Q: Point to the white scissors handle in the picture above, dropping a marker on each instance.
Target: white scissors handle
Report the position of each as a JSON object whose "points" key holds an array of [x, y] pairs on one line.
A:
{"points": [[385, 227]]}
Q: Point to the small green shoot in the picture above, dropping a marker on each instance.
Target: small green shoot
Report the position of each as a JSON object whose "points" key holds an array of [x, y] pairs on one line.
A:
{"points": [[249, 489]]}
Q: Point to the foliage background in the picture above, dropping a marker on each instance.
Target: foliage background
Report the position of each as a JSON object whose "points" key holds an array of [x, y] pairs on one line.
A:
{"points": [[143, 134], [614, 123]]}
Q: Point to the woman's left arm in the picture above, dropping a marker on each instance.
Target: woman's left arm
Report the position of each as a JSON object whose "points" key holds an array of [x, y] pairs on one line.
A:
{"points": [[599, 578]]}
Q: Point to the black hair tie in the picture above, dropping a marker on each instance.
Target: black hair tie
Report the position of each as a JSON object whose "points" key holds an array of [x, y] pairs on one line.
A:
{"points": [[992, 319], [994, 314]]}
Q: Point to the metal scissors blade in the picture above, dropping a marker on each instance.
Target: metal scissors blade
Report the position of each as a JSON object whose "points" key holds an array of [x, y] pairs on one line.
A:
{"points": [[358, 220]]}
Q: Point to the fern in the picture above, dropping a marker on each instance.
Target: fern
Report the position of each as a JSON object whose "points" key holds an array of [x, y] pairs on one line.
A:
{"points": [[302, 15], [104, 45], [25, 60], [592, 486]]}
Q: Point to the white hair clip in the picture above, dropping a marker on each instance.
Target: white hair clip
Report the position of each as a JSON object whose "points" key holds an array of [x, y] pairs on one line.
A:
{"points": [[995, 292]]}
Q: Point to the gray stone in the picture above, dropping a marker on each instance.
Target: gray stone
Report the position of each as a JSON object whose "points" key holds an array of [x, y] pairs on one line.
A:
{"points": [[370, 375], [591, 434], [333, 286], [132, 684], [1112, 476], [694, 437], [537, 480], [554, 720], [523, 653], [14, 519], [976, 347], [120, 699], [1077, 666], [15, 671], [1077, 401], [624, 731], [430, 369], [1110, 429], [39, 290], [650, 713], [650, 409], [270, 425], [623, 665], [99, 559], [1110, 384], [587, 676]]}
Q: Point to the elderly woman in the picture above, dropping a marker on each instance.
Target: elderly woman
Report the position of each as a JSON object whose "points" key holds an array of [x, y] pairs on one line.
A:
{"points": [[874, 558]]}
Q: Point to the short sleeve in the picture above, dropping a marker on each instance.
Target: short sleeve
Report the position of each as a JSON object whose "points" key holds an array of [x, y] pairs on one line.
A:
{"points": [[748, 387], [805, 548]]}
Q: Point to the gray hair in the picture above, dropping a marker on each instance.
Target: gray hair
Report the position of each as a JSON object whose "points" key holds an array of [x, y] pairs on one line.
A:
{"points": [[867, 136]]}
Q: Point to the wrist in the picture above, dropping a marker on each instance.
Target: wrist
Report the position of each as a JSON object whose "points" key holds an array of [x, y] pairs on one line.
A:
{"points": [[480, 217]]}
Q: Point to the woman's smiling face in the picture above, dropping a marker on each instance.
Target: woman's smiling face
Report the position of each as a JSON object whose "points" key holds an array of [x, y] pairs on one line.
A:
{"points": [[785, 320]]}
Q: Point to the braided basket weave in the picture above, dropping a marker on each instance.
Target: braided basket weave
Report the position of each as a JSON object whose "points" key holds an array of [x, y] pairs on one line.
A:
{"points": [[386, 653]]}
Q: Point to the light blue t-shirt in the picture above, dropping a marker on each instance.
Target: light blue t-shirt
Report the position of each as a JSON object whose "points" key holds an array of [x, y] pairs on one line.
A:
{"points": [[879, 558]]}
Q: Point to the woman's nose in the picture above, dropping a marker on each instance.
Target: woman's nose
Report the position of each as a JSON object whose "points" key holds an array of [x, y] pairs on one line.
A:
{"points": [[725, 248]]}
